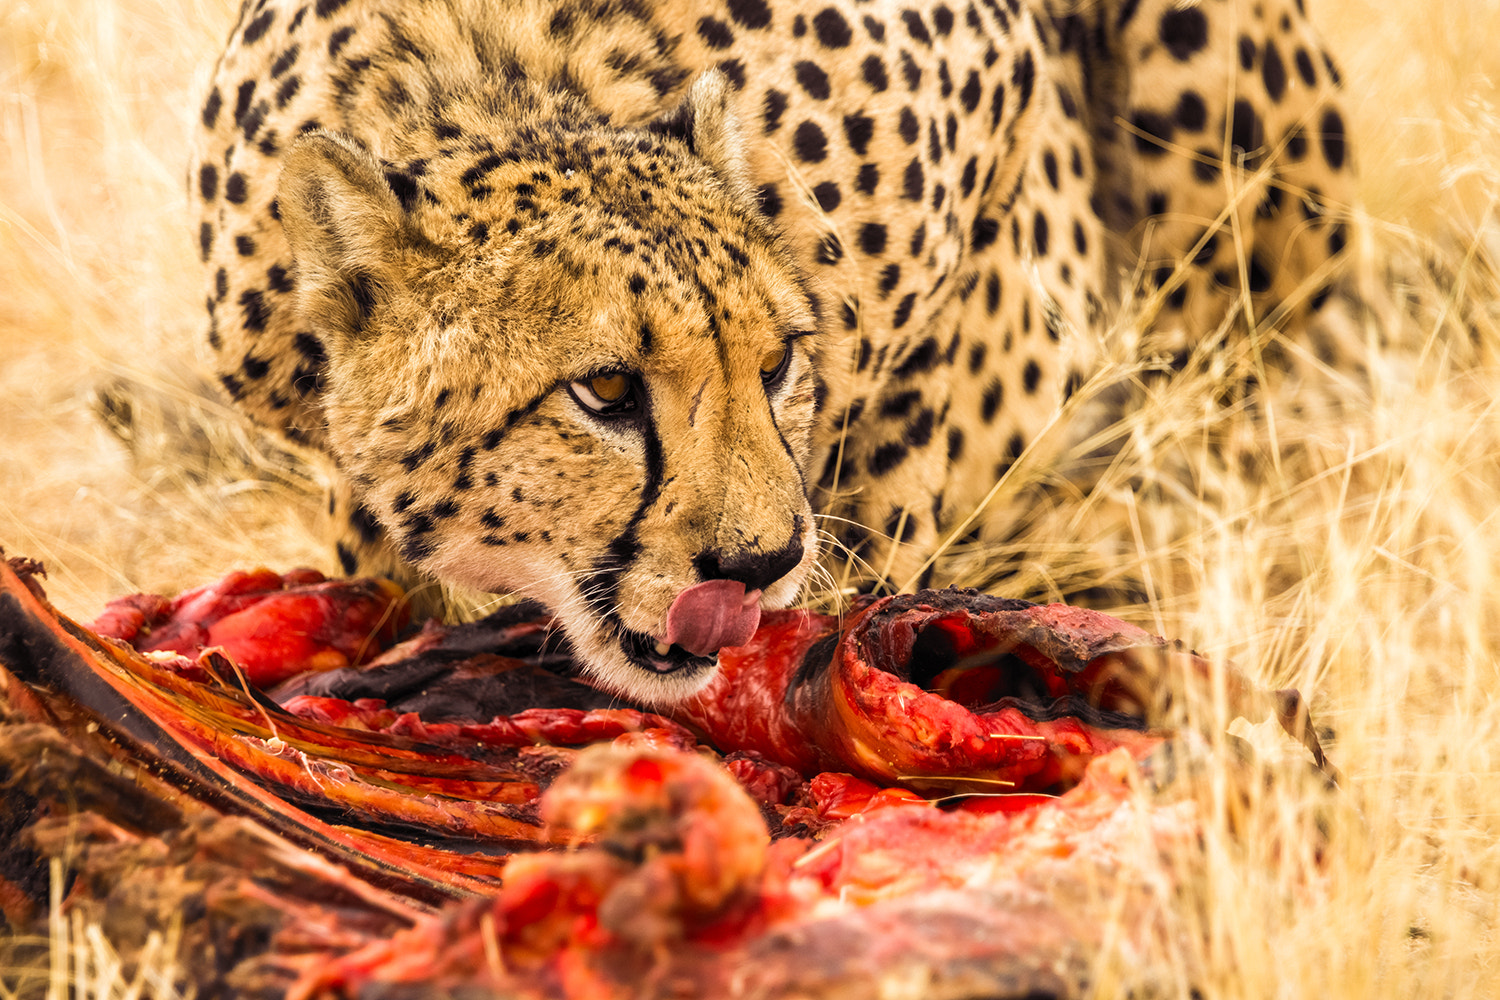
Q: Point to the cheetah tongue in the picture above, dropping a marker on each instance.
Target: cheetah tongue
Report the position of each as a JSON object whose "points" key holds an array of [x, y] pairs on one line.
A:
{"points": [[711, 615]]}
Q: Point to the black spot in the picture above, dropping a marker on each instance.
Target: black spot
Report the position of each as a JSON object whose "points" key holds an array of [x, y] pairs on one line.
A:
{"points": [[244, 246], [989, 403], [1247, 52], [1150, 127], [890, 277], [1305, 67], [968, 96], [997, 106], [858, 130], [887, 457], [907, 126], [915, 26], [287, 91], [1337, 239], [637, 284], [1332, 135], [770, 200], [1030, 376], [850, 314], [311, 348], [810, 143], [339, 39], [1049, 167], [1156, 202], [256, 29], [255, 368], [1184, 32], [1273, 72], [1023, 78], [403, 186], [1245, 133], [1333, 71], [242, 99], [966, 181], [1080, 239], [903, 310], [731, 68], [235, 188], [955, 444], [919, 431], [873, 70], [910, 72], [1205, 165], [986, 231], [812, 79], [362, 288], [830, 250], [992, 293], [828, 196], [900, 404], [921, 359], [347, 561], [208, 181], [715, 33], [1039, 233], [799, 26], [750, 13], [254, 310], [913, 181], [977, 352], [285, 60], [918, 240], [938, 194], [832, 29], [416, 456], [772, 109], [1192, 113], [1260, 274], [211, 108], [872, 237], [867, 178]]}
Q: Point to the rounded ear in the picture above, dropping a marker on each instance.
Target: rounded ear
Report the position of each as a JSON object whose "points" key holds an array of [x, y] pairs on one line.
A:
{"points": [[347, 227], [706, 121]]}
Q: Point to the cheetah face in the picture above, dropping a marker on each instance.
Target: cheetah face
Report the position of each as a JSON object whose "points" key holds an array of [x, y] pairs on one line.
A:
{"points": [[595, 389]]}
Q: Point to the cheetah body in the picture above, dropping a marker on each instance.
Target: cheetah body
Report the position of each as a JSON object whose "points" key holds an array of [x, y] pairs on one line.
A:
{"points": [[849, 261]]}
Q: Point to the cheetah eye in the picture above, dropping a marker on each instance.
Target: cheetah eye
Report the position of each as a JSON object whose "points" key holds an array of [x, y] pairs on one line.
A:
{"points": [[607, 395], [774, 363]]}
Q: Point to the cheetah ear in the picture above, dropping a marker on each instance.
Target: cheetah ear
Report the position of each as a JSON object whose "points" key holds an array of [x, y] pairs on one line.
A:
{"points": [[706, 121], [347, 228]]}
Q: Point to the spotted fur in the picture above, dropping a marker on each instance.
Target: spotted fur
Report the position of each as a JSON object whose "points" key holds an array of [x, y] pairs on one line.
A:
{"points": [[428, 226]]}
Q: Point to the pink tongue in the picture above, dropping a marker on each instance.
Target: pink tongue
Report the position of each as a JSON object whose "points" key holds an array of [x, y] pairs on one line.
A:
{"points": [[711, 615]]}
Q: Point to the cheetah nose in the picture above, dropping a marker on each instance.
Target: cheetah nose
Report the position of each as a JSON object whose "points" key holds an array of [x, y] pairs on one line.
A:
{"points": [[711, 615]]}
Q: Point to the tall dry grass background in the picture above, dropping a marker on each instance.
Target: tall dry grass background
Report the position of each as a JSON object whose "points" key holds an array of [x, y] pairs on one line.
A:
{"points": [[1354, 554]]}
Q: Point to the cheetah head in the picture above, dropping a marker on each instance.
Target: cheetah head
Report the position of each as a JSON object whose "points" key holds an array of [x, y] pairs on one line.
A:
{"points": [[571, 361]]}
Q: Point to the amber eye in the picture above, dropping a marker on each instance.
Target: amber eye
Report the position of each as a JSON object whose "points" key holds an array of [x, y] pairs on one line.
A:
{"points": [[609, 394], [610, 388], [773, 363]]}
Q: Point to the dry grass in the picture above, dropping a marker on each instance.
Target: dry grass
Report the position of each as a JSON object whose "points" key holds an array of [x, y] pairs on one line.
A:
{"points": [[1357, 561]]}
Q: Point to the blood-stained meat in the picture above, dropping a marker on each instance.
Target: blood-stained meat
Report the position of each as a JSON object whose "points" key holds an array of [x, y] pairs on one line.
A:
{"points": [[942, 787]]}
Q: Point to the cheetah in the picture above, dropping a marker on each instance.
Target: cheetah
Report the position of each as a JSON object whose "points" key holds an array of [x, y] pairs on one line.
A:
{"points": [[613, 303]]}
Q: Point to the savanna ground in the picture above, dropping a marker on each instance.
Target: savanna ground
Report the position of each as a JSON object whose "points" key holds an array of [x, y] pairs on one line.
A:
{"points": [[1354, 555]]}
